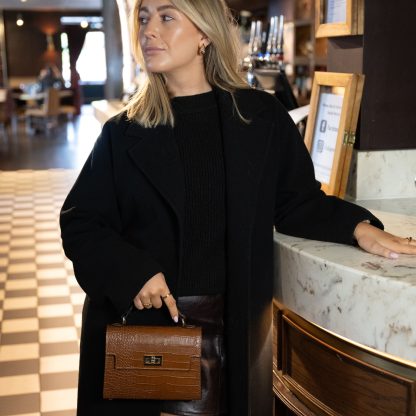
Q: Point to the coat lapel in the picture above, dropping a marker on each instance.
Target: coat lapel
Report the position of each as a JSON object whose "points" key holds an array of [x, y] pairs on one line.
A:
{"points": [[245, 148], [156, 155]]}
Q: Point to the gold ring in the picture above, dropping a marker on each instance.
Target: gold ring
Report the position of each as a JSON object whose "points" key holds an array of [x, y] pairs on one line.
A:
{"points": [[166, 296], [409, 239], [147, 305]]}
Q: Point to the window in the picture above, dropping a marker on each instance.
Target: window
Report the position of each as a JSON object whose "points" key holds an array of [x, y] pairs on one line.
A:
{"points": [[91, 64], [66, 68]]}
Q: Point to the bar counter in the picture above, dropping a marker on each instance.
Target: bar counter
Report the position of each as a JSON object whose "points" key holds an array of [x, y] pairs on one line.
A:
{"points": [[345, 323]]}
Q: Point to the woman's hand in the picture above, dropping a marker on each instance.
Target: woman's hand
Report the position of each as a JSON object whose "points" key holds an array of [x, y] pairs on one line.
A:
{"points": [[153, 293], [377, 241]]}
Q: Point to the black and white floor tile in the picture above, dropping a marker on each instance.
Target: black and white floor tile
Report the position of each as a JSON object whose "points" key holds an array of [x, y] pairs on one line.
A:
{"points": [[40, 300]]}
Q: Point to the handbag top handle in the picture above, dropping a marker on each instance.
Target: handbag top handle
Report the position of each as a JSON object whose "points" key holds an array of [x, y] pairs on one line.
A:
{"points": [[182, 317]]}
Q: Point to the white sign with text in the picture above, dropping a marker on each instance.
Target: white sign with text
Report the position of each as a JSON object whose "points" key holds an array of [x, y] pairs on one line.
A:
{"points": [[336, 11], [325, 135]]}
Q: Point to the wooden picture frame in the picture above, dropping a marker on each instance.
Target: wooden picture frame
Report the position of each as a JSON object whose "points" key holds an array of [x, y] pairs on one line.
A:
{"points": [[339, 18], [330, 130]]}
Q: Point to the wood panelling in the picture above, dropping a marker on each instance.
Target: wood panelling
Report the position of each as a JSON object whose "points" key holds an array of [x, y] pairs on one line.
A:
{"points": [[330, 376], [339, 381]]}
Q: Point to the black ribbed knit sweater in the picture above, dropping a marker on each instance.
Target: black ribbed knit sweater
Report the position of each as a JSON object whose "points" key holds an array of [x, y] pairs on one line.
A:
{"points": [[198, 137]]}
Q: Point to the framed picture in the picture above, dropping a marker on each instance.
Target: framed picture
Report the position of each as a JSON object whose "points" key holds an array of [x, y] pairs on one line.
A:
{"points": [[330, 130], [339, 18]]}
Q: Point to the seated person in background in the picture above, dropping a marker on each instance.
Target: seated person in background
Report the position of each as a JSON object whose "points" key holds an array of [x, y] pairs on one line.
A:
{"points": [[49, 77]]}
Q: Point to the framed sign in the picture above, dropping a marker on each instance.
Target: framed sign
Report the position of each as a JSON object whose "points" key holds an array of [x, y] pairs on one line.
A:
{"points": [[339, 18], [330, 131]]}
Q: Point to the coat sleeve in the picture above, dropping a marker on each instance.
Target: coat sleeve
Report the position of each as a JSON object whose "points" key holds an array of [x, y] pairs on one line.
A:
{"points": [[106, 266], [302, 209]]}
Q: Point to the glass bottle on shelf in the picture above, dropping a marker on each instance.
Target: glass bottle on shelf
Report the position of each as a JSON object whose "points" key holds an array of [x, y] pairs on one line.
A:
{"points": [[273, 58], [258, 42], [283, 89], [279, 43], [271, 40], [254, 51]]}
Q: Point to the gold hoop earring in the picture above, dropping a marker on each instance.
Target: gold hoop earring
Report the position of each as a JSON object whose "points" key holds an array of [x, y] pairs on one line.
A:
{"points": [[202, 49]]}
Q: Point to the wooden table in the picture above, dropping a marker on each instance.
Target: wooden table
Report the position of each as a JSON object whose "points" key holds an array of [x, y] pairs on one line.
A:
{"points": [[40, 95]]}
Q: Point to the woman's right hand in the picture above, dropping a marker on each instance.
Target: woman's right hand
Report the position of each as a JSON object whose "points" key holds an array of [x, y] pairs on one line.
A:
{"points": [[154, 292]]}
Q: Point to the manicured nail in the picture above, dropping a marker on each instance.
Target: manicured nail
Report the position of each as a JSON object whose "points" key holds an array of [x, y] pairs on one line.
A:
{"points": [[175, 318], [394, 256]]}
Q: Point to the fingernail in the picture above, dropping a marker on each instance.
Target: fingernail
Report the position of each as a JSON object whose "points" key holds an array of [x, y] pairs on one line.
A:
{"points": [[394, 256], [175, 318]]}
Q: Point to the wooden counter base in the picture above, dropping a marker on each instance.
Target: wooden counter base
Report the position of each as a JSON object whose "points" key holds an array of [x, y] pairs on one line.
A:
{"points": [[318, 373]]}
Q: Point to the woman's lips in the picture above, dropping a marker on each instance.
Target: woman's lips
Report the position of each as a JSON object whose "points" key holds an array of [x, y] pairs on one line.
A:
{"points": [[152, 51]]}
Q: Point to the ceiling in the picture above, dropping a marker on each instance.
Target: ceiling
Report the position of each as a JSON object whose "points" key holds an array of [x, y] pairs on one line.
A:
{"points": [[51, 5]]}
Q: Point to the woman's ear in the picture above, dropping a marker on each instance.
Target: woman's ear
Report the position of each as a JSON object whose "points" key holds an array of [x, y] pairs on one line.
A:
{"points": [[205, 40]]}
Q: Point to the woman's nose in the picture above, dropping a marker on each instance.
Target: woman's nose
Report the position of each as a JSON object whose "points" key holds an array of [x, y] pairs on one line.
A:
{"points": [[152, 28]]}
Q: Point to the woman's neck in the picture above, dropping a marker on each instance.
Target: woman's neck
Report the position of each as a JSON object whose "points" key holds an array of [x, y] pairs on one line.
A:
{"points": [[184, 85]]}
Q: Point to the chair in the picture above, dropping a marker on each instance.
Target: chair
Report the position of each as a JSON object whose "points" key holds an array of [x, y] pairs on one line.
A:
{"points": [[6, 111], [67, 106], [47, 113], [68, 110]]}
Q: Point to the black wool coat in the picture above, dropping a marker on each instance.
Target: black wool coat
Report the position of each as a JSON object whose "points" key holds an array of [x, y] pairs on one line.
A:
{"points": [[122, 223]]}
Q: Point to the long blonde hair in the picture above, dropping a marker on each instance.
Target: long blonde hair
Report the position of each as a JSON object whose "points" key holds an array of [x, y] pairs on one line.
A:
{"points": [[150, 105]]}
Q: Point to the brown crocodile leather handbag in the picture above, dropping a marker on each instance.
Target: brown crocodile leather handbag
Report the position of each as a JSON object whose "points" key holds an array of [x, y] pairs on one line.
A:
{"points": [[153, 362]]}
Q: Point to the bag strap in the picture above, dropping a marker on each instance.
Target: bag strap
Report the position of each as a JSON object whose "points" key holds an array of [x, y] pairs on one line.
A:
{"points": [[124, 317], [182, 317]]}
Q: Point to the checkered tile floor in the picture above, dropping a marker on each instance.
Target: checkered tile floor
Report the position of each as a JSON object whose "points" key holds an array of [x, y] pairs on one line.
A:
{"points": [[40, 301]]}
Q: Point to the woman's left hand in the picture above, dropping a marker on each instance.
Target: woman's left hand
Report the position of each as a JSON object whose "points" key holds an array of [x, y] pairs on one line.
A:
{"points": [[377, 241]]}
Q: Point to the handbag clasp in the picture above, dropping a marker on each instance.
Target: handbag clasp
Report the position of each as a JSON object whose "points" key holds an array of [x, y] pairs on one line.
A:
{"points": [[153, 360]]}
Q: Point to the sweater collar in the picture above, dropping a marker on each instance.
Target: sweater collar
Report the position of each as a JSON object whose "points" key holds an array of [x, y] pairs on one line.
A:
{"points": [[248, 108], [194, 103]]}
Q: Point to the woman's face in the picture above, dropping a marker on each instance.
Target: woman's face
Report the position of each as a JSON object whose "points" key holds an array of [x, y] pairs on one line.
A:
{"points": [[168, 39]]}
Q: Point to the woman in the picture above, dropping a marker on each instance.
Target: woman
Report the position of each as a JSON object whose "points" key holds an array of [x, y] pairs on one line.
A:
{"points": [[50, 77], [176, 204]]}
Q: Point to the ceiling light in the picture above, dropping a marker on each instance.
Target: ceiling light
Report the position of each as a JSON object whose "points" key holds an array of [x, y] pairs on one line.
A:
{"points": [[245, 13], [84, 24], [20, 21]]}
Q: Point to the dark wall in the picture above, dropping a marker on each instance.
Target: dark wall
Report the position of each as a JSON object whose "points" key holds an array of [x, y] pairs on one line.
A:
{"points": [[389, 62], [385, 54], [247, 4], [258, 8], [285, 7], [26, 45]]}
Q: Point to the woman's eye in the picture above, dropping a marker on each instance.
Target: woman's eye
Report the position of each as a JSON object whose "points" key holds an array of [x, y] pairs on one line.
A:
{"points": [[142, 20], [166, 18]]}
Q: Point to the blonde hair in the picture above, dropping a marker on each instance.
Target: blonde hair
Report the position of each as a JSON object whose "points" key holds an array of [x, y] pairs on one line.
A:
{"points": [[150, 105]]}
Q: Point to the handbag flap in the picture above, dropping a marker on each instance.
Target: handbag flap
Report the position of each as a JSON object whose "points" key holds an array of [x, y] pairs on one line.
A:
{"points": [[153, 347]]}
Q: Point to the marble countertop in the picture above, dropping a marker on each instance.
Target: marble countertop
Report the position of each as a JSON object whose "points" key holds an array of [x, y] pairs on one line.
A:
{"points": [[105, 109], [365, 298]]}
